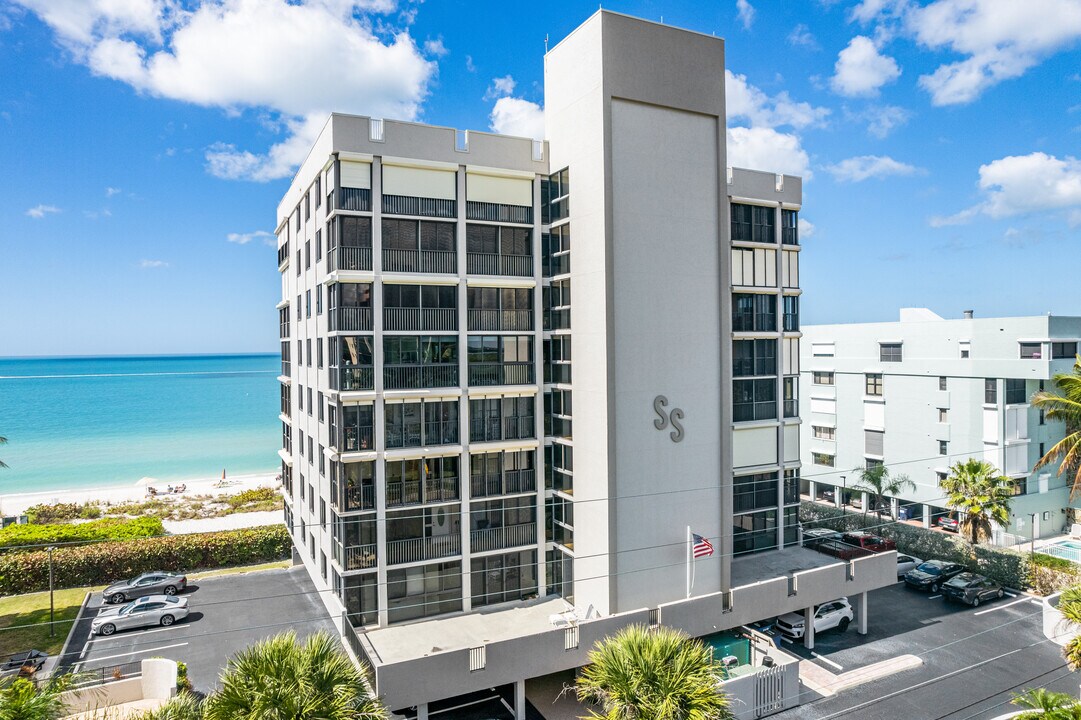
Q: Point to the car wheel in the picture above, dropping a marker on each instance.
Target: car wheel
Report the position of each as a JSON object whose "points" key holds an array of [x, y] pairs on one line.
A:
{"points": [[934, 587], [117, 598], [999, 594], [170, 590], [843, 625], [107, 629], [167, 620], [976, 601]]}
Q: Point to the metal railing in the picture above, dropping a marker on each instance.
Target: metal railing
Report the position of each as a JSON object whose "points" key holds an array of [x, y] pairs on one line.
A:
{"points": [[356, 439], [357, 497], [441, 489], [498, 212], [502, 537], [367, 667], [482, 429], [408, 377], [404, 318], [108, 673], [403, 493], [500, 319], [512, 481], [354, 377], [425, 261], [351, 319], [359, 557], [347, 257], [428, 548], [481, 374], [497, 264], [359, 199], [428, 207]]}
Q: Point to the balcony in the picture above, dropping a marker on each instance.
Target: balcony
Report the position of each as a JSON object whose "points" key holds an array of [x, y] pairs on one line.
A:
{"points": [[416, 377], [283, 254], [353, 498], [557, 319], [428, 548], [556, 265], [482, 374], [424, 261], [441, 489], [353, 378], [359, 557], [356, 439], [404, 493], [437, 319], [347, 257], [557, 373], [287, 368], [497, 212], [426, 207], [498, 538], [350, 319], [500, 319], [496, 264], [358, 199], [496, 429], [512, 481]]}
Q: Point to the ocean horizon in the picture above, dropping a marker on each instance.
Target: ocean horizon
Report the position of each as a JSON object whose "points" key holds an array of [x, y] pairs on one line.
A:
{"points": [[78, 422]]}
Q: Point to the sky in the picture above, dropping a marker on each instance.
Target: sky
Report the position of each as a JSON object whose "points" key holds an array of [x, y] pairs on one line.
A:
{"points": [[145, 145]]}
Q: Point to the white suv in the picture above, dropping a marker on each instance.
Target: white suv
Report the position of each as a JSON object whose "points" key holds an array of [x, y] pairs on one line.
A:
{"points": [[834, 614]]}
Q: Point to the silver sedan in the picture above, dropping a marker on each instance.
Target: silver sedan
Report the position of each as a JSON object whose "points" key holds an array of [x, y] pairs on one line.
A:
{"points": [[147, 611]]}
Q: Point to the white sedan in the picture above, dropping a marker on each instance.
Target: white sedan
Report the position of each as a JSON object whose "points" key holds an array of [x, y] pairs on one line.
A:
{"points": [[147, 611], [835, 614], [906, 563]]}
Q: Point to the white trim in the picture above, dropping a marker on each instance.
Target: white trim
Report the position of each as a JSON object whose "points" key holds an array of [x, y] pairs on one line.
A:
{"points": [[500, 172]]}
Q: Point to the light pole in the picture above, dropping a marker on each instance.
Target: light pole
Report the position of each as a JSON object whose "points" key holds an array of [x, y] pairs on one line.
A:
{"points": [[1032, 535], [52, 607], [844, 492]]}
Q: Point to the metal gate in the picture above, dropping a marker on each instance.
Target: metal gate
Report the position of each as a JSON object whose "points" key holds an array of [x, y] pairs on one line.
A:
{"points": [[768, 691]]}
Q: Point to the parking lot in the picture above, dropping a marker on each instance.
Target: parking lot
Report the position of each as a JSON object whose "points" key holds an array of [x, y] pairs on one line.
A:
{"points": [[228, 613], [973, 658]]}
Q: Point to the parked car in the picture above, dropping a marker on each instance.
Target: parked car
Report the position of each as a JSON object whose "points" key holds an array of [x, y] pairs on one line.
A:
{"points": [[867, 541], [971, 588], [835, 614], [951, 524], [828, 495], [151, 583], [932, 574], [814, 536], [26, 663], [161, 610], [906, 563]]}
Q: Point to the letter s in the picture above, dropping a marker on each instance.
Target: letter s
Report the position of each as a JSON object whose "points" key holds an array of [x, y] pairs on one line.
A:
{"points": [[677, 434], [659, 403]]}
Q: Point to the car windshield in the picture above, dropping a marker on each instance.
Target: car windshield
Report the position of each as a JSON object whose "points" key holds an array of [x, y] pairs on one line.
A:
{"points": [[172, 599], [964, 580], [930, 569], [126, 610]]}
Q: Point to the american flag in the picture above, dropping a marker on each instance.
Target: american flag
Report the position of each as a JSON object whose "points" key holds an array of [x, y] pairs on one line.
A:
{"points": [[701, 547]]}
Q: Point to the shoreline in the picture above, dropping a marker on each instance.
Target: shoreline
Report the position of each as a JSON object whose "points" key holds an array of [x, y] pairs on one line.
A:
{"points": [[17, 503]]}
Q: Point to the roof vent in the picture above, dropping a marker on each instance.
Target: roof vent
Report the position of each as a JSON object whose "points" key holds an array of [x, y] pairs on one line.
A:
{"points": [[968, 314]]}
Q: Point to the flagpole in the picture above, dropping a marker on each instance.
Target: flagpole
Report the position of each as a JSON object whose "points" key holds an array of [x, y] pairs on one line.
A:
{"points": [[693, 568], [689, 561]]}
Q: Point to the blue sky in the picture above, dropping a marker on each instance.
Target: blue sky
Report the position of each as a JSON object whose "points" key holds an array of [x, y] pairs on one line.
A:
{"points": [[145, 144]]}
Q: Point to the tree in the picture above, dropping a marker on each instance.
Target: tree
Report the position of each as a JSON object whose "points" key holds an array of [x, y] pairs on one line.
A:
{"points": [[3, 441], [21, 699], [1046, 705], [1064, 406], [183, 706], [1069, 604], [282, 678], [658, 674], [877, 482], [975, 488]]}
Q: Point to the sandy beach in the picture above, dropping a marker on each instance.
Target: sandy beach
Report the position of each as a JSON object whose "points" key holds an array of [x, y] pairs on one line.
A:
{"points": [[16, 504]]}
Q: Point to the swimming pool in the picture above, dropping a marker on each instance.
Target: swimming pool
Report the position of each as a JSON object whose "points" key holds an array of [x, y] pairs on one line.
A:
{"points": [[1066, 549]]}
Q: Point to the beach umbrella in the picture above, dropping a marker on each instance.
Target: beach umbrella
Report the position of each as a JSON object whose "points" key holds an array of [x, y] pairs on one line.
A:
{"points": [[147, 481]]}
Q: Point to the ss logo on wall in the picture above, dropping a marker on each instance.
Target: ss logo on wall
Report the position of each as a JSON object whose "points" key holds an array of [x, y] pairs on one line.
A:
{"points": [[664, 418]]}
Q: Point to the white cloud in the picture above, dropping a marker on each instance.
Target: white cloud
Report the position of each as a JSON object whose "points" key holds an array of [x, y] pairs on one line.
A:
{"points": [[435, 48], [1020, 184], [515, 116], [865, 167], [245, 238], [801, 37], [153, 264], [746, 13], [213, 56], [228, 163], [96, 214], [761, 148], [744, 101], [39, 211], [861, 70], [469, 66], [110, 191], [806, 228], [500, 87], [884, 119]]}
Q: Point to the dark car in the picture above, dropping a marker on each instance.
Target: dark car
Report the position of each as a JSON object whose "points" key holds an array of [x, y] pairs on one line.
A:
{"points": [[151, 583], [27, 663], [972, 589], [867, 541], [932, 574], [949, 523]]}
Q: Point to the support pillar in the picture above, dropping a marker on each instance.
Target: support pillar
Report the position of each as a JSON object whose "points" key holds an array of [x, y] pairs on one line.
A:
{"points": [[861, 614], [838, 497], [422, 711], [895, 508], [809, 628], [927, 516], [812, 490], [519, 700]]}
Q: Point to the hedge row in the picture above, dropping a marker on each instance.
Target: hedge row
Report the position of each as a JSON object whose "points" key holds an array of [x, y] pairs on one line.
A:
{"points": [[104, 529], [80, 566]]}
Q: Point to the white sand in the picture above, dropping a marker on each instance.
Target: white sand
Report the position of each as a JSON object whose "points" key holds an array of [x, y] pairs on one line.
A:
{"points": [[18, 503]]}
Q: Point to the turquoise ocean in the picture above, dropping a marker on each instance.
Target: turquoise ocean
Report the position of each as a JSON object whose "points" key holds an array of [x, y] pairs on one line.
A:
{"points": [[108, 421]]}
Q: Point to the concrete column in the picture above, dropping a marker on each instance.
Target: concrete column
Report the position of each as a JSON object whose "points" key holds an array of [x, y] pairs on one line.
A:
{"points": [[422, 711], [864, 497], [927, 516], [519, 700], [838, 497], [861, 614], [895, 508], [809, 628], [812, 489]]}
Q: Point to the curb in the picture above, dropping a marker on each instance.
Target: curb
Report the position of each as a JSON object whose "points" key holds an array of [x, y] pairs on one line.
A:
{"points": [[62, 661]]}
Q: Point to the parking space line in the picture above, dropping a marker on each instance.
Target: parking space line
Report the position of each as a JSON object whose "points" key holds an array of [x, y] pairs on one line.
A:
{"points": [[827, 661], [137, 652], [1036, 602], [1009, 594], [784, 639], [933, 597], [96, 638], [1000, 607], [463, 705]]}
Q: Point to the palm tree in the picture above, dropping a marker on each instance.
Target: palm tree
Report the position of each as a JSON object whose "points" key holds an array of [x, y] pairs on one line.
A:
{"points": [[877, 482], [657, 674], [184, 706], [1046, 705], [1065, 406], [3, 441], [281, 677], [21, 699], [975, 488], [1069, 604]]}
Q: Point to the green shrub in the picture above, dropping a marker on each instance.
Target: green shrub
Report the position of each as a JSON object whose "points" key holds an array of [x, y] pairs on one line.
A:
{"points": [[182, 681], [1054, 563], [59, 512], [255, 496], [84, 565], [104, 529]]}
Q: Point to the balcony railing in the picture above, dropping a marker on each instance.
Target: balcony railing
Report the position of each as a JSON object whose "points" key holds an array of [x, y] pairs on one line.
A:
{"points": [[351, 319], [425, 261], [500, 319], [437, 319], [428, 548], [496, 429], [497, 264], [441, 489], [354, 377], [356, 497], [359, 199], [411, 377], [347, 257], [427, 207], [359, 557], [404, 493], [497, 212], [512, 481], [502, 537], [481, 374], [357, 439]]}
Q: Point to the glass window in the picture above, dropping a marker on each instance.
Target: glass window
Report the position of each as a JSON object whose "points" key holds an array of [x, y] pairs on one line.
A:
{"points": [[754, 313], [824, 433], [503, 578], [754, 492], [873, 384], [754, 357], [790, 304], [1060, 350], [822, 459], [418, 592], [990, 391], [889, 352], [1031, 351], [943, 447], [943, 415], [822, 378], [942, 383], [754, 532], [1016, 393], [754, 400]]}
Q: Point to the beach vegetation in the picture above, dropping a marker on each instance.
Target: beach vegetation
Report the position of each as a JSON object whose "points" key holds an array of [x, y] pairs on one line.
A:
{"points": [[164, 507], [3, 441], [182, 706], [36, 536], [46, 513]]}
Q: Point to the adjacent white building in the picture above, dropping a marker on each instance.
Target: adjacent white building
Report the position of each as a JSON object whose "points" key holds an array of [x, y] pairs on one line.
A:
{"points": [[516, 374], [925, 392]]}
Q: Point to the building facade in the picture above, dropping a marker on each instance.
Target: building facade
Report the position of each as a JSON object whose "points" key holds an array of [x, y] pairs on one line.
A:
{"points": [[924, 393]]}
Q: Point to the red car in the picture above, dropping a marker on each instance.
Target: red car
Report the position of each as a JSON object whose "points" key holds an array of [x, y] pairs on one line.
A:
{"points": [[867, 541]]}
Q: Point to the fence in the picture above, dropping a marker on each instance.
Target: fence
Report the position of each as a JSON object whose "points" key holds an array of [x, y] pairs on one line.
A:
{"points": [[108, 673]]}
